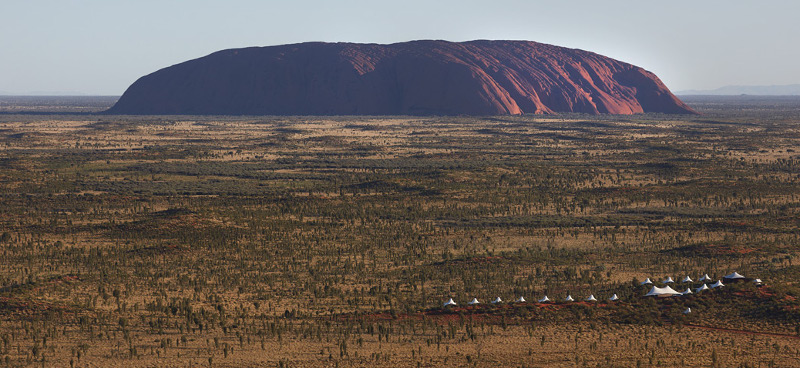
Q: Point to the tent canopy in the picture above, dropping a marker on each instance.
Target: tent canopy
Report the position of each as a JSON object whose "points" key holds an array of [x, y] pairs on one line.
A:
{"points": [[662, 292], [733, 276]]}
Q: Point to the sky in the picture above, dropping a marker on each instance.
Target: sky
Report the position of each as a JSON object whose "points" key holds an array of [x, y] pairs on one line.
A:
{"points": [[100, 47]]}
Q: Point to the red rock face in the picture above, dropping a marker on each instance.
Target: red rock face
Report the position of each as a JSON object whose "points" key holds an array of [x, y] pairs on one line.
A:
{"points": [[410, 78]]}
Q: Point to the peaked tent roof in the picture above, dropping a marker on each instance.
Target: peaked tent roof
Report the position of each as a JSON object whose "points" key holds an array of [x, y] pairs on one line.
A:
{"points": [[613, 298], [662, 292], [646, 281], [705, 278], [450, 302], [591, 298], [474, 301], [688, 291], [704, 287], [688, 310], [687, 279], [757, 281], [521, 300], [544, 300], [717, 284], [569, 299], [735, 275], [669, 280], [497, 300]]}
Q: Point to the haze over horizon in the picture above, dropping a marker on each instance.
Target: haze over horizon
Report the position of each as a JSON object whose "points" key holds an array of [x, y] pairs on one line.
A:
{"points": [[96, 47]]}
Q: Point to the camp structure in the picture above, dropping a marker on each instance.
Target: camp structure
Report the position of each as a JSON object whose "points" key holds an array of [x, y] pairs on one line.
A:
{"points": [[757, 281], [687, 279], [544, 300], [663, 292], [734, 277], [717, 284], [497, 300], [613, 298], [688, 310], [520, 300], [591, 298], [473, 301], [704, 278], [569, 299], [646, 281], [702, 288], [668, 280], [688, 291], [449, 302]]}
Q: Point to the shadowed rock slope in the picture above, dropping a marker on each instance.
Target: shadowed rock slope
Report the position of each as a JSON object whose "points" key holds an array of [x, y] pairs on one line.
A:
{"points": [[410, 78]]}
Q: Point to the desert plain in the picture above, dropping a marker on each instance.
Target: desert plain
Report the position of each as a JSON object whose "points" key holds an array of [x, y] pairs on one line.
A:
{"points": [[252, 241]]}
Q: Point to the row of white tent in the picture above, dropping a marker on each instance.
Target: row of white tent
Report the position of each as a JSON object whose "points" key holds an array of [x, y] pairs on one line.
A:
{"points": [[655, 291], [668, 291], [521, 299], [704, 278], [590, 298]]}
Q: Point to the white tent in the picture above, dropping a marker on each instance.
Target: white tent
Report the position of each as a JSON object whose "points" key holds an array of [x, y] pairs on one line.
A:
{"points": [[449, 302], [591, 298], [646, 281], [669, 280], [662, 292], [688, 291], [613, 298], [688, 310], [497, 300], [717, 284], [520, 300], [569, 299], [687, 279], [757, 281], [474, 301], [733, 276], [705, 278], [702, 288], [544, 300]]}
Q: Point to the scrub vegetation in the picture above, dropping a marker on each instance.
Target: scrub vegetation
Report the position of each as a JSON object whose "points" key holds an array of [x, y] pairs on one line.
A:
{"points": [[333, 241]]}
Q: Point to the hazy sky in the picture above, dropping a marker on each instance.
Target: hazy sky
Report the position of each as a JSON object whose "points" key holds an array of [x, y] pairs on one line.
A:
{"points": [[102, 46]]}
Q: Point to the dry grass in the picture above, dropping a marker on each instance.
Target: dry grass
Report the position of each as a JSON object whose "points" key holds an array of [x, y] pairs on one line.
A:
{"points": [[290, 241]]}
